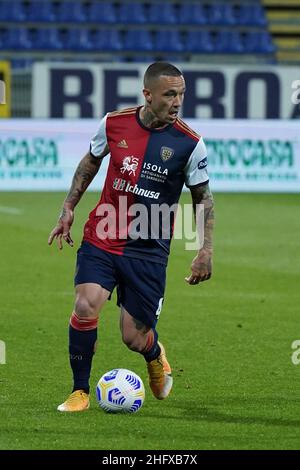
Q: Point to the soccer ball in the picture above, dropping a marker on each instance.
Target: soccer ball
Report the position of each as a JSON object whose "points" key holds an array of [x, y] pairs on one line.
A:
{"points": [[120, 391]]}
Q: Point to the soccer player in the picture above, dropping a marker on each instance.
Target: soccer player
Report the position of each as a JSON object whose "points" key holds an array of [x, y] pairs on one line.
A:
{"points": [[152, 154]]}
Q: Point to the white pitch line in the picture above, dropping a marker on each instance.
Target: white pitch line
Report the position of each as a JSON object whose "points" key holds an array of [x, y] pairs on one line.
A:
{"points": [[10, 210]]}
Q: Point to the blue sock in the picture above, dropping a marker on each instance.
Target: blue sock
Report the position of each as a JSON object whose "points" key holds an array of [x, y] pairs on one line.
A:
{"points": [[81, 349]]}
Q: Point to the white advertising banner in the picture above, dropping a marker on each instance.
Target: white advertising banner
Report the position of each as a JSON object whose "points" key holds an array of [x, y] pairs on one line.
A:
{"points": [[252, 155], [89, 90], [42, 155]]}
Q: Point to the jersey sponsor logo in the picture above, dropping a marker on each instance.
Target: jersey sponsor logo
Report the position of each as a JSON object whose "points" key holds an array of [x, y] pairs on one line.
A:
{"points": [[166, 153], [155, 168], [202, 164], [154, 172], [122, 144], [130, 165], [122, 185], [119, 184]]}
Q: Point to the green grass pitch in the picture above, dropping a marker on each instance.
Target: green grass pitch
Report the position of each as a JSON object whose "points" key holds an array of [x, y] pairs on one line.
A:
{"points": [[228, 340]]}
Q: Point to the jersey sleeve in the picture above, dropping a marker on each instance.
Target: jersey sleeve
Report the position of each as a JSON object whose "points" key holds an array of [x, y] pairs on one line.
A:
{"points": [[99, 141], [196, 168]]}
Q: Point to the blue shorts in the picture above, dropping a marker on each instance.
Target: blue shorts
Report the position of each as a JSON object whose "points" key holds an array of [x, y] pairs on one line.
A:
{"points": [[140, 283]]}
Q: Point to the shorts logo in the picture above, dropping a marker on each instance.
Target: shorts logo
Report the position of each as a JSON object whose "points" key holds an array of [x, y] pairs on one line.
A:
{"points": [[160, 304], [166, 153], [202, 164], [130, 164]]}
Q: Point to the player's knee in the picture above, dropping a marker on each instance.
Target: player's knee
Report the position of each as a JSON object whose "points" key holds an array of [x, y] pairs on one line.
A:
{"points": [[84, 307]]}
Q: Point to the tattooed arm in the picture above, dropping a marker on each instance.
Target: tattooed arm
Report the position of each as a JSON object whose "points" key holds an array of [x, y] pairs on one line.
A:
{"points": [[84, 174], [201, 267]]}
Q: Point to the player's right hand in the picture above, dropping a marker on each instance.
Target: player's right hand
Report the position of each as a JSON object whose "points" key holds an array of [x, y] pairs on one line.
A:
{"points": [[62, 229]]}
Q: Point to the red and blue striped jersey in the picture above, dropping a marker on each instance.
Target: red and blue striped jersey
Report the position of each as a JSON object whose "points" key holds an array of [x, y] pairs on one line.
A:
{"points": [[147, 170]]}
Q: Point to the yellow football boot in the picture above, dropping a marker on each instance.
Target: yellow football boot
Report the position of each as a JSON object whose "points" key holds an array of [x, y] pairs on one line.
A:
{"points": [[160, 378], [77, 401]]}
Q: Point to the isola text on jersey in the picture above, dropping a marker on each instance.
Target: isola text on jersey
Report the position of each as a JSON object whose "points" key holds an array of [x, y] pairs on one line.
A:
{"points": [[155, 168]]}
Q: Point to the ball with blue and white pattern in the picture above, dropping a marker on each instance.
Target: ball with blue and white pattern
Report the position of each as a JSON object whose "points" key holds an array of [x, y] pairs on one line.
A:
{"points": [[120, 391]]}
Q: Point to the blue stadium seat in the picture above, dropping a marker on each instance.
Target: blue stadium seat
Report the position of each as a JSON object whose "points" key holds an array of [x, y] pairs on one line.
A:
{"points": [[18, 38], [102, 12], [251, 42], [162, 13], [78, 40], [251, 15], [259, 16], [138, 39], [244, 16], [71, 12], [21, 63], [221, 14], [12, 11], [168, 40], [199, 41], [131, 13], [47, 39], [259, 42], [106, 40], [228, 42], [2, 40], [192, 14], [41, 11]]}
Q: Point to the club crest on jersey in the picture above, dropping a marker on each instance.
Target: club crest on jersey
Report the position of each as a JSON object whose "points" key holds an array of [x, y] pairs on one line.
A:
{"points": [[166, 153], [130, 165]]}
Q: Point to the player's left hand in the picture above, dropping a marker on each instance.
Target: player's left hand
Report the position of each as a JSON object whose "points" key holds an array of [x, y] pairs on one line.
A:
{"points": [[201, 268], [62, 229]]}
